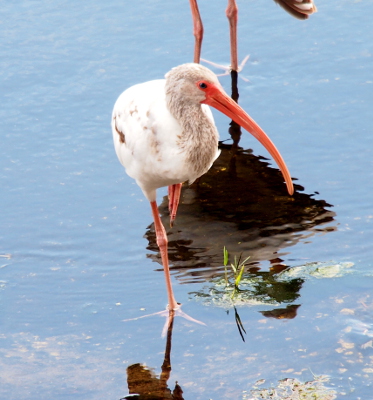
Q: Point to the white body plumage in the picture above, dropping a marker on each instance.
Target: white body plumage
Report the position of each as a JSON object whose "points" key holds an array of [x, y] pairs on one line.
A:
{"points": [[147, 138]]}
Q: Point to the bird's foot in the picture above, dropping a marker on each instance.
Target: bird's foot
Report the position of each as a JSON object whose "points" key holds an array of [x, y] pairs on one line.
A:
{"points": [[228, 69], [170, 315]]}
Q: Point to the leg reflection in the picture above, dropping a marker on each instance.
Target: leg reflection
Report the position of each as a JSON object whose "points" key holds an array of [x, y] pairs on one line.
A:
{"points": [[143, 382]]}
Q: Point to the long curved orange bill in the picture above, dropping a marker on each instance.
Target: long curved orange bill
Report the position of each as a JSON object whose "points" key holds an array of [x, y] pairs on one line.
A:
{"points": [[217, 98]]}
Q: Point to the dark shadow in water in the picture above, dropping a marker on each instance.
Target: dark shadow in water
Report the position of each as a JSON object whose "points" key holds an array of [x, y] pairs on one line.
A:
{"points": [[241, 203], [143, 383]]}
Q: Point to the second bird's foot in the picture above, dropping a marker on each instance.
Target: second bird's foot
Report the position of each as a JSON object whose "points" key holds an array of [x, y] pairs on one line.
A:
{"points": [[228, 69]]}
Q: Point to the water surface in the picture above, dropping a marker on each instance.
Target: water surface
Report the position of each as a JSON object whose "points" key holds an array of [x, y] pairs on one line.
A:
{"points": [[77, 247]]}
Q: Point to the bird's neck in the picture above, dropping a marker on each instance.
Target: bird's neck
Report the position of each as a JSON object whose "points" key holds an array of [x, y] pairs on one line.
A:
{"points": [[199, 137]]}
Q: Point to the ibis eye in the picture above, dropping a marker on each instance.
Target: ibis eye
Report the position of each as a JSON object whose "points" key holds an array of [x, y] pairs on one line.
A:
{"points": [[203, 85]]}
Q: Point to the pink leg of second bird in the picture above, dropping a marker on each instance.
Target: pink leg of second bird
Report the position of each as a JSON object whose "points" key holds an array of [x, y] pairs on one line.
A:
{"points": [[232, 15], [197, 30], [173, 200], [162, 244]]}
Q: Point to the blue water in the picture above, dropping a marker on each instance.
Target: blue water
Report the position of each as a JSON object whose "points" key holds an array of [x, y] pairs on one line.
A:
{"points": [[74, 253]]}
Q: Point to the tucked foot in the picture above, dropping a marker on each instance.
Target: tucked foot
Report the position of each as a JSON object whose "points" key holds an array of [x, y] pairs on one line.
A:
{"points": [[174, 192]]}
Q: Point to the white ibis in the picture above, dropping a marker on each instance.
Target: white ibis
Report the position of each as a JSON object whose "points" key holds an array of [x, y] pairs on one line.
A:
{"points": [[164, 135], [300, 9]]}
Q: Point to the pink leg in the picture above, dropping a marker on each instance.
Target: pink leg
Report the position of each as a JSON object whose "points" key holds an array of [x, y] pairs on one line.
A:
{"points": [[173, 200], [197, 30], [232, 15], [162, 244]]}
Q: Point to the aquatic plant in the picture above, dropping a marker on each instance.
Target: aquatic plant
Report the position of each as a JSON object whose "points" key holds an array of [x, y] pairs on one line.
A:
{"points": [[238, 269]]}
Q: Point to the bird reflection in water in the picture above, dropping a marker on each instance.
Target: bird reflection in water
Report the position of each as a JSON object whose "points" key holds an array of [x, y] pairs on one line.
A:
{"points": [[289, 312], [142, 382], [242, 204]]}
